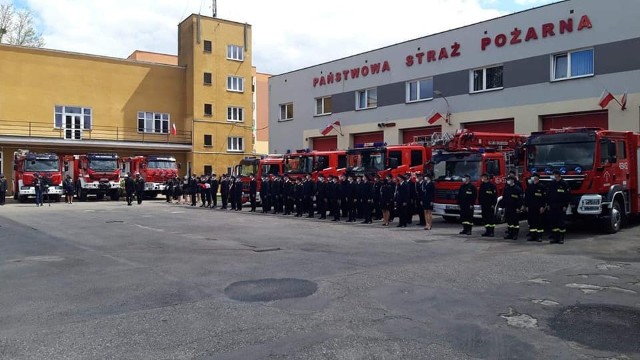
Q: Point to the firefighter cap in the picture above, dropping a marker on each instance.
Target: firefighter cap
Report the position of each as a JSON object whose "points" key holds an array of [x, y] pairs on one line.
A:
{"points": [[467, 176], [485, 175], [556, 172]]}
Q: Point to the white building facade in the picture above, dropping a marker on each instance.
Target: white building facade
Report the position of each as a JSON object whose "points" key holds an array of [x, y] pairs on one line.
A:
{"points": [[538, 69]]}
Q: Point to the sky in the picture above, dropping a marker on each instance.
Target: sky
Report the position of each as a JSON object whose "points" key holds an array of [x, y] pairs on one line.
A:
{"points": [[287, 34]]}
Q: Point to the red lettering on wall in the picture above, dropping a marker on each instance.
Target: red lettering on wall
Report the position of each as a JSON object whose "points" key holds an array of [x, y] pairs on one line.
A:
{"points": [[585, 22], [322, 81], [330, 78], [355, 73], [455, 49], [443, 54], [419, 56], [338, 77], [547, 30], [501, 40], [385, 66], [375, 68], [484, 42], [531, 34], [345, 74], [566, 26], [365, 70], [431, 55], [315, 81], [515, 36], [409, 61]]}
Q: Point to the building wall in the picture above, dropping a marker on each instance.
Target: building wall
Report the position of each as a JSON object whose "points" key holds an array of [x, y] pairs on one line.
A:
{"points": [[262, 113], [153, 57], [527, 94]]}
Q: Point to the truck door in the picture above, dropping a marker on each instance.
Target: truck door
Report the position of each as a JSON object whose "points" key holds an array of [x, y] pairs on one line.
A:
{"points": [[68, 167]]}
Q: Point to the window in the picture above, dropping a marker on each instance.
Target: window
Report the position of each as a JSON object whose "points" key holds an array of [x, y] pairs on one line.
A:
{"points": [[235, 113], [207, 46], [286, 111], [235, 52], [395, 156], [572, 64], [493, 167], [235, 83], [208, 169], [1, 163], [208, 110], [235, 144], [366, 99], [416, 158], [208, 140], [622, 151], [489, 78], [323, 105], [62, 112], [150, 122], [207, 78], [420, 90]]}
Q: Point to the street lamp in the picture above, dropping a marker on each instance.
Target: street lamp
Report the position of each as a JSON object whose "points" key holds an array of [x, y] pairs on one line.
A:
{"points": [[447, 118]]}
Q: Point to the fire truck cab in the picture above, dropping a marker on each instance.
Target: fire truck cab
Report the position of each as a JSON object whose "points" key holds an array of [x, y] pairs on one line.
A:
{"points": [[26, 164], [94, 174], [600, 166], [472, 153], [154, 169], [304, 162], [382, 159]]}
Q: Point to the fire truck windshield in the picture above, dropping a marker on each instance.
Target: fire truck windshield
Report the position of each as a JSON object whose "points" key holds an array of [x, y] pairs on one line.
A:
{"points": [[367, 161], [270, 169], [162, 164], [247, 169], [41, 165], [103, 165], [569, 154], [299, 165], [453, 167]]}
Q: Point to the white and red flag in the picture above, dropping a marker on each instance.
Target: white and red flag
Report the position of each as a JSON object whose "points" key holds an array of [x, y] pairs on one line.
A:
{"points": [[623, 101], [434, 117], [174, 131], [330, 127], [605, 99]]}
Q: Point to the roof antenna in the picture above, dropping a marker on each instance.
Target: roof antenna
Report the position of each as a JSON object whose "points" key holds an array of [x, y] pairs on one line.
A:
{"points": [[214, 7]]}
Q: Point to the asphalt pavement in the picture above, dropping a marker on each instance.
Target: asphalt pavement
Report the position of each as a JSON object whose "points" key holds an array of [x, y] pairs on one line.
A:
{"points": [[102, 280]]}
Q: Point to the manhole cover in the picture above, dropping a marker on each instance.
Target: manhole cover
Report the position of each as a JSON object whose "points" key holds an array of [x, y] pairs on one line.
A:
{"points": [[270, 289], [602, 327]]}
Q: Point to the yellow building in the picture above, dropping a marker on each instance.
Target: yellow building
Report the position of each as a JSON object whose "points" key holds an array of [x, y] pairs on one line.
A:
{"points": [[70, 103]]}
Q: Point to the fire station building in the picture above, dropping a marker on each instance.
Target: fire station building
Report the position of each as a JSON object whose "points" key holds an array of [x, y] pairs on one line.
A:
{"points": [[69, 103], [537, 69]]}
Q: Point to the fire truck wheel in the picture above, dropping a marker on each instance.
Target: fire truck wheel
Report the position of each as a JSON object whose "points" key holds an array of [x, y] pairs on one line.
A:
{"points": [[614, 222], [450, 219], [82, 195]]}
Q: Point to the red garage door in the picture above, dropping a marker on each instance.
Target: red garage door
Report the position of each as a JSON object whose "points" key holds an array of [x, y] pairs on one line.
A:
{"points": [[498, 126], [326, 143], [377, 136], [593, 119], [408, 135]]}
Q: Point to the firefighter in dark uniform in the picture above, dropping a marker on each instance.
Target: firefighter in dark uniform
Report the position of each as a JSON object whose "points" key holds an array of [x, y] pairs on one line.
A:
{"points": [[402, 198], [238, 194], [367, 200], [276, 191], [129, 188], [168, 189], [193, 189], [512, 202], [558, 198], [214, 190], [224, 190], [344, 195], [534, 201], [334, 198], [3, 189], [386, 201], [308, 190], [139, 188], [298, 195], [352, 199], [467, 195], [265, 196], [253, 192], [321, 197], [487, 198], [232, 192], [377, 186], [287, 195], [418, 202], [359, 197]]}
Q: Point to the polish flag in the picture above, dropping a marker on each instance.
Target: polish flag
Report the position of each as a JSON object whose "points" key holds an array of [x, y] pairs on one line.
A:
{"points": [[432, 118], [623, 101], [605, 99], [173, 129], [330, 127]]}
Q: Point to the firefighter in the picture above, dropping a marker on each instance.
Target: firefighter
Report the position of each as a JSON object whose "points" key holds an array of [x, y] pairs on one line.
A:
{"points": [[428, 196], [367, 200], [334, 198], [512, 202], [68, 187], [224, 191], [467, 195], [487, 198], [377, 185], [386, 201], [534, 200], [352, 198], [265, 196], [168, 189], [321, 197], [345, 187], [276, 190], [38, 186], [287, 195], [238, 193], [139, 188], [253, 192], [298, 195], [402, 198], [202, 188], [558, 197], [3, 189], [129, 188], [214, 190], [193, 189], [308, 190]]}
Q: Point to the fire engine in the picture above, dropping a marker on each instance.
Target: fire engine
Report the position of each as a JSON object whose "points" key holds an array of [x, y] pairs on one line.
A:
{"points": [[304, 162], [600, 166], [382, 159], [94, 174], [26, 164], [154, 169], [272, 164], [472, 153]]}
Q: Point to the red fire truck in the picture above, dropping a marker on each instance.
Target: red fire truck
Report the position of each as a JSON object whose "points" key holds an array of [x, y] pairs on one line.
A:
{"points": [[472, 153], [272, 164], [154, 169], [26, 164], [382, 159], [304, 162], [94, 174], [601, 167]]}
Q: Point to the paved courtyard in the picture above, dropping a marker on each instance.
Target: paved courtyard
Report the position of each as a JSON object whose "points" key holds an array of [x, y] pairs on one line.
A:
{"points": [[101, 280]]}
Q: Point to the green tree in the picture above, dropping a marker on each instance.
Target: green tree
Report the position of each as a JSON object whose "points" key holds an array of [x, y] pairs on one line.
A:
{"points": [[17, 27]]}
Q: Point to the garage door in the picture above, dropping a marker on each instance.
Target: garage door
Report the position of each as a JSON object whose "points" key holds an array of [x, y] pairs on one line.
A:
{"points": [[498, 126], [593, 119], [408, 135], [325, 143], [377, 136]]}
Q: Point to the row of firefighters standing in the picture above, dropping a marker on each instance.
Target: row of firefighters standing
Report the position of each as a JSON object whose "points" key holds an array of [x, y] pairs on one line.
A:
{"points": [[545, 206]]}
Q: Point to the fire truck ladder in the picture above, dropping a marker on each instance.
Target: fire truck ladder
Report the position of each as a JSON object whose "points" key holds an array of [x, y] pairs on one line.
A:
{"points": [[435, 139]]}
